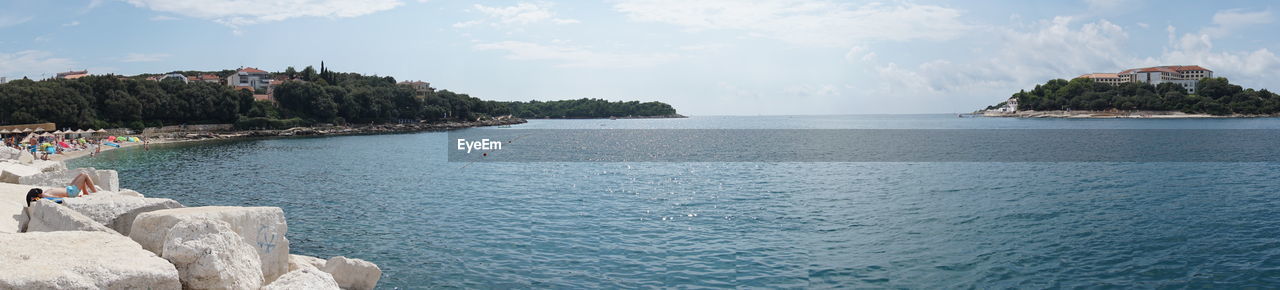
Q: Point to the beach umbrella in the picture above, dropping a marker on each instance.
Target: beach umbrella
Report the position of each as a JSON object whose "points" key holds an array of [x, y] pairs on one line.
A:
{"points": [[59, 132], [4, 131], [39, 129], [26, 130]]}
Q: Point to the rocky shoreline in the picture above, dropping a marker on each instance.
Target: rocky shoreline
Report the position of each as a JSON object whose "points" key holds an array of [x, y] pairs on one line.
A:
{"points": [[1079, 114], [118, 238]]}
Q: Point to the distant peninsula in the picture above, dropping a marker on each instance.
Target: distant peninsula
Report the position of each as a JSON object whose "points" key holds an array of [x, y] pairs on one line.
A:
{"points": [[1180, 91], [252, 98]]}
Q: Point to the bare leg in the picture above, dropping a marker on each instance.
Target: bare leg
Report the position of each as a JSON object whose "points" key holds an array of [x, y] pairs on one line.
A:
{"points": [[85, 183]]}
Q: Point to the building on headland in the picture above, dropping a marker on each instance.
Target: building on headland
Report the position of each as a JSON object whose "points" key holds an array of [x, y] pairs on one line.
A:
{"points": [[71, 75], [173, 76], [419, 86], [1010, 106], [250, 77], [1186, 76], [3, 80], [208, 78]]}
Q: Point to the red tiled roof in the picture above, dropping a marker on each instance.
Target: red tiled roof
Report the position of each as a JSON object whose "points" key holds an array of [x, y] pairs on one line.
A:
{"points": [[209, 77], [262, 97], [252, 70], [1188, 67], [244, 88], [1158, 69]]}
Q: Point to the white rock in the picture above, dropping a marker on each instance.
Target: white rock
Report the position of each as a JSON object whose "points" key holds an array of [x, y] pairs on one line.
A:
{"points": [[26, 158], [49, 165], [13, 171], [299, 261], [130, 192], [307, 278], [353, 273], [80, 260], [9, 153], [13, 207], [208, 255], [104, 179], [47, 216], [261, 227], [117, 211]]}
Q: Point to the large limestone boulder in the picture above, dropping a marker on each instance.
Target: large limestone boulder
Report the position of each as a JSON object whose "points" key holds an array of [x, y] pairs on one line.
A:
{"points": [[261, 227], [13, 207], [47, 216], [129, 192], [11, 172], [26, 158], [306, 278], [49, 165], [9, 153], [299, 261], [208, 255], [117, 211], [80, 260], [353, 273], [104, 179]]}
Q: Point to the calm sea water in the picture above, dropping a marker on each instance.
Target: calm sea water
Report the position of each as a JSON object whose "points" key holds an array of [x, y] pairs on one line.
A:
{"points": [[429, 223]]}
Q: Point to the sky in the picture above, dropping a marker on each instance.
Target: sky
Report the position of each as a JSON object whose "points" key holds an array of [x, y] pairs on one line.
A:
{"points": [[706, 57]]}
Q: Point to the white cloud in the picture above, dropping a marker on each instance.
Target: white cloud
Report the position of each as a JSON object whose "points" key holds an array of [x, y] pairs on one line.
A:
{"points": [[1227, 20], [144, 57], [163, 18], [1111, 5], [1252, 67], [523, 13], [805, 22], [72, 23], [236, 13], [32, 63], [10, 20], [1054, 49], [572, 56]]}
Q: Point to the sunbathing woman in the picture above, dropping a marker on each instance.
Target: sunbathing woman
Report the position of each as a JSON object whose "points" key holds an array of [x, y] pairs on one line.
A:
{"points": [[82, 184]]}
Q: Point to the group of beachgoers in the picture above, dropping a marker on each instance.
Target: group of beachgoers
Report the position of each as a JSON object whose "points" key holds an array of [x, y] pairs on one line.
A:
{"points": [[41, 147]]}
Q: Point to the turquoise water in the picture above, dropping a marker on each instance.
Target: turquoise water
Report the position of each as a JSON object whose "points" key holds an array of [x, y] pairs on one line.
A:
{"points": [[429, 223]]}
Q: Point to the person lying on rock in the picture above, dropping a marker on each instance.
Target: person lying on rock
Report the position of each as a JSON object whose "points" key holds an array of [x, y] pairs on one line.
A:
{"points": [[81, 185]]}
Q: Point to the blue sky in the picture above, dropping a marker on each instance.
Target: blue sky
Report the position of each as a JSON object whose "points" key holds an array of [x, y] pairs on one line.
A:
{"points": [[711, 57]]}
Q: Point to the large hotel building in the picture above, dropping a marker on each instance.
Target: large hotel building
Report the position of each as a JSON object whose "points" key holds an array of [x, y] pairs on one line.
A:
{"points": [[1185, 75]]}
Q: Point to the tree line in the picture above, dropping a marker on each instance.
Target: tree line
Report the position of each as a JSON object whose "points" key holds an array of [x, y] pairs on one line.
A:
{"points": [[308, 96], [1215, 96], [589, 108]]}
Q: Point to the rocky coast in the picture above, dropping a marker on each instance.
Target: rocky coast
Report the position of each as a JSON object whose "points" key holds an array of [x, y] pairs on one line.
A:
{"points": [[119, 238]]}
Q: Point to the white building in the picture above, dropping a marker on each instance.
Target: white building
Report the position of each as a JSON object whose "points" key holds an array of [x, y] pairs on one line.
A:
{"points": [[173, 75], [250, 77], [1186, 76], [1010, 106]]}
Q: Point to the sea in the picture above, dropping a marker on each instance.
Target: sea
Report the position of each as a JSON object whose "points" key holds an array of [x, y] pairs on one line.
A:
{"points": [[431, 221]]}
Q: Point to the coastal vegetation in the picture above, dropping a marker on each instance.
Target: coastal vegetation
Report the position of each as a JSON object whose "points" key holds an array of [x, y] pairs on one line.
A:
{"points": [[588, 108], [301, 98], [1215, 96]]}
